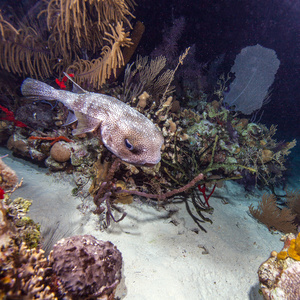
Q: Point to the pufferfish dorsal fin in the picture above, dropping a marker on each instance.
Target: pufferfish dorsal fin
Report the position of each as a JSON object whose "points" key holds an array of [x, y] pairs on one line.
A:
{"points": [[85, 123], [74, 83]]}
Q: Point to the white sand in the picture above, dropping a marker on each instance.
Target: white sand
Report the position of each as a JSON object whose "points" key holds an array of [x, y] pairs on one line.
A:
{"points": [[163, 261]]}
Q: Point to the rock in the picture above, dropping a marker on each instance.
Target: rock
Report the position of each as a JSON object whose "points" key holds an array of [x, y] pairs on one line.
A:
{"points": [[18, 144], [53, 165]]}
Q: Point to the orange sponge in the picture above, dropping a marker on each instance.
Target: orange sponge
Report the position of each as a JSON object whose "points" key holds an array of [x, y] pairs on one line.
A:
{"points": [[282, 255], [294, 249]]}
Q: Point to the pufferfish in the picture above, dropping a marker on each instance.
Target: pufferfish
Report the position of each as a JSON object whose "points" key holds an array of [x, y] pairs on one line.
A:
{"points": [[123, 130]]}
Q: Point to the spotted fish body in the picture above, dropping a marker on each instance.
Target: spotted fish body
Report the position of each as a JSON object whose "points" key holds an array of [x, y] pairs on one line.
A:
{"points": [[124, 131]]}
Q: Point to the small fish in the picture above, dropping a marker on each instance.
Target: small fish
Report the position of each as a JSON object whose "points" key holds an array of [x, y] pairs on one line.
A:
{"points": [[124, 131]]}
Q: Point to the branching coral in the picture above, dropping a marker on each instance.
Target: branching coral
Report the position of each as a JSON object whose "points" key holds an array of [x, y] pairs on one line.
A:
{"points": [[107, 191], [293, 202], [273, 217], [77, 24], [77, 32], [146, 75], [23, 52], [264, 154]]}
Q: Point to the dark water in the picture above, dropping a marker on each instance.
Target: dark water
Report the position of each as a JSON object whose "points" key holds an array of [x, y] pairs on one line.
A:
{"points": [[225, 27]]}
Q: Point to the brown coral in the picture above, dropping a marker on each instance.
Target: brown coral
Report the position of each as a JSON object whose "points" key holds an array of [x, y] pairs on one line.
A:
{"points": [[274, 218], [293, 199]]}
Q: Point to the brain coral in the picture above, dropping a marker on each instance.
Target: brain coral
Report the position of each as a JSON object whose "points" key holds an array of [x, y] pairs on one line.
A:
{"points": [[87, 267], [60, 152]]}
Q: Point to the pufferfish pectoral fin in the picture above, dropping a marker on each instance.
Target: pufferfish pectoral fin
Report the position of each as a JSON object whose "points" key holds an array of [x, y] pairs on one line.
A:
{"points": [[85, 124], [70, 119]]}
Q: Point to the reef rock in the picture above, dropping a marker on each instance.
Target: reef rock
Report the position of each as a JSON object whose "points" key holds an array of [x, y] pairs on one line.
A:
{"points": [[279, 276]]}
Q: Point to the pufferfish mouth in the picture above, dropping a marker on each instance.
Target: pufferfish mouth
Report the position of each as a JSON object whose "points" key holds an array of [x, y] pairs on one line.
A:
{"points": [[149, 165], [152, 164], [146, 163]]}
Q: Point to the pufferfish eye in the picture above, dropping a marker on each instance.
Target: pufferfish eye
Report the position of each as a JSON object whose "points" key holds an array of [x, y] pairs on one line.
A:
{"points": [[128, 145]]}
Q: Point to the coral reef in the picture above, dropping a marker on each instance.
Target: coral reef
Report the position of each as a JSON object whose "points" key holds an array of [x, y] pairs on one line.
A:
{"points": [[214, 142], [279, 276], [202, 136], [87, 267], [23, 267]]}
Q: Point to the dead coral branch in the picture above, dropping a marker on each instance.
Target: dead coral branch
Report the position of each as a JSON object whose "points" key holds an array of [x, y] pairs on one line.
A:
{"points": [[8, 177], [169, 194]]}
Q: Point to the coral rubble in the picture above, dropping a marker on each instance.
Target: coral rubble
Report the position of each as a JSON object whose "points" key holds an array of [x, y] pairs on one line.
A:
{"points": [[8, 177]]}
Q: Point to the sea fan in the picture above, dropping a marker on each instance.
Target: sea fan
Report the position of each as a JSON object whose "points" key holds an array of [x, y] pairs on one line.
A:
{"points": [[255, 68]]}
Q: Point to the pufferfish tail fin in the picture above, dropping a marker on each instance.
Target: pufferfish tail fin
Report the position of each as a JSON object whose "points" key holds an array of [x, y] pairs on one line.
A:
{"points": [[37, 90]]}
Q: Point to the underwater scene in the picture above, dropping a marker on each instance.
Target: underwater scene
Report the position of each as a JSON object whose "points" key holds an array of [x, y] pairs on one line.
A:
{"points": [[150, 150]]}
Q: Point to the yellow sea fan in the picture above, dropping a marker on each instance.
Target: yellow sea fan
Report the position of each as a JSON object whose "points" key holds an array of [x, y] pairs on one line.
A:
{"points": [[98, 70]]}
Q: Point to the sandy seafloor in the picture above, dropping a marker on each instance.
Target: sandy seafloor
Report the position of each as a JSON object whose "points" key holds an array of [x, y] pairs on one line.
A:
{"points": [[162, 261]]}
